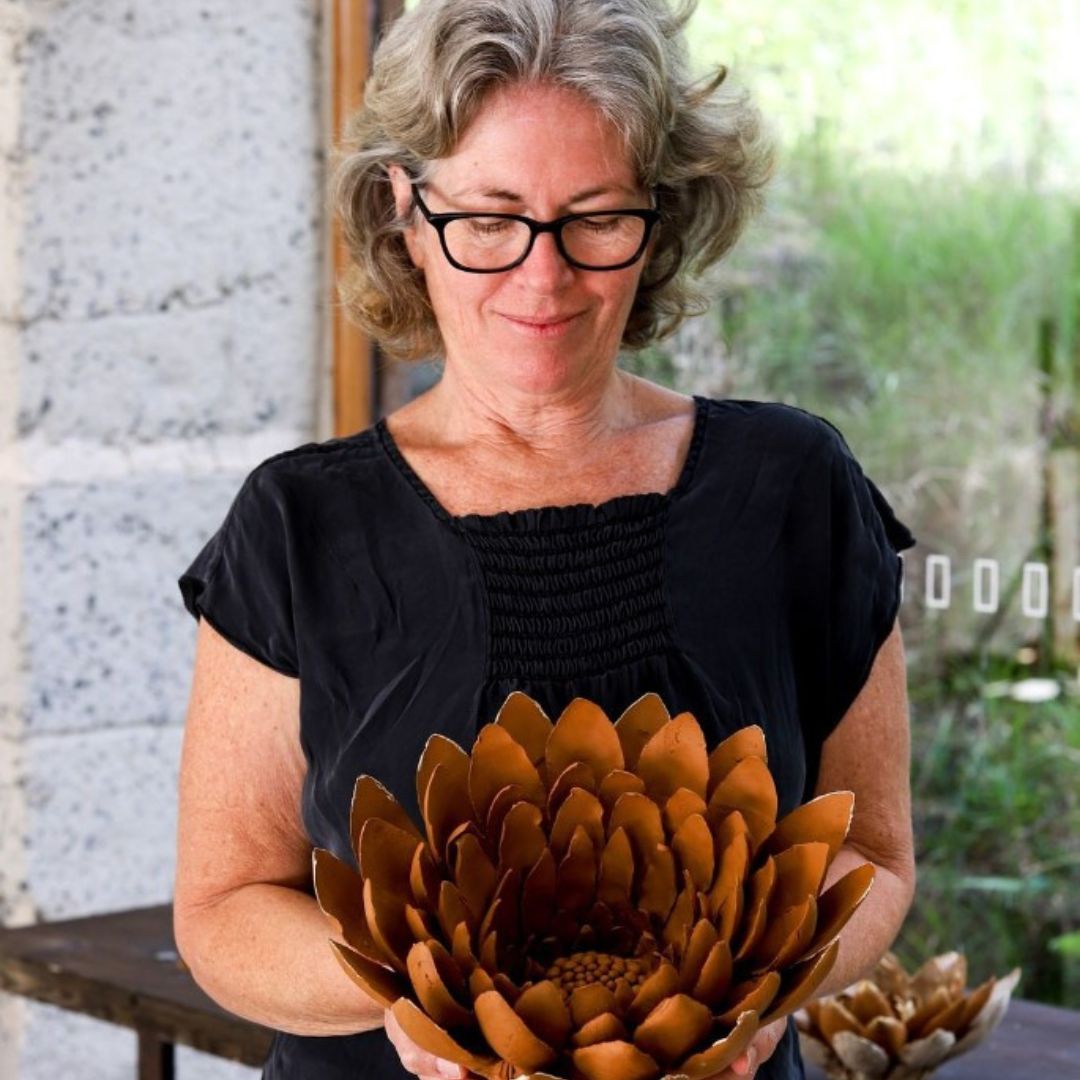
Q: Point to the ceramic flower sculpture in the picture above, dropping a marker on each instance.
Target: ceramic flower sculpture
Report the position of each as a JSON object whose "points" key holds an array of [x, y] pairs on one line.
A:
{"points": [[896, 1026], [590, 899]]}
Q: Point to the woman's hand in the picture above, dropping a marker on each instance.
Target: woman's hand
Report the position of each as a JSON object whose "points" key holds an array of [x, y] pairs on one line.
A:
{"points": [[416, 1060], [760, 1050]]}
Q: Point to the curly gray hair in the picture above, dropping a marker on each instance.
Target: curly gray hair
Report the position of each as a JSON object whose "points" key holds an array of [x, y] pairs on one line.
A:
{"points": [[700, 146]]}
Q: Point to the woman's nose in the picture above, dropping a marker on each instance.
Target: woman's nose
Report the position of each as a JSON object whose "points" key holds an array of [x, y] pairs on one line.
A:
{"points": [[544, 266]]}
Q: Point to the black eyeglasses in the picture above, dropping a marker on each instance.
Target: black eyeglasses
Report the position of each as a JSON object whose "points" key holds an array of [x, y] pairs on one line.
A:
{"points": [[492, 243]]}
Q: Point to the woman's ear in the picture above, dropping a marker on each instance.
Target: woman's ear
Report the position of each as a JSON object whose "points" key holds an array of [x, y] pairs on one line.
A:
{"points": [[403, 206]]}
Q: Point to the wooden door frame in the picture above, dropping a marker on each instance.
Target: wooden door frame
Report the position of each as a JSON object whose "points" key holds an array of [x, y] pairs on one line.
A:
{"points": [[354, 31]]}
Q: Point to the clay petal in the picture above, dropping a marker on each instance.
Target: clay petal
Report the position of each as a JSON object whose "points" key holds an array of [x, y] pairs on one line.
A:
{"points": [[615, 784], [590, 1001], [575, 888], [928, 1051], [386, 855], [681, 918], [502, 915], [505, 798], [834, 1016], [580, 807], [860, 1054], [441, 751], [838, 903], [497, 760], [430, 1037], [424, 879], [431, 989], [509, 1035], [991, 1013], [974, 1004], [583, 733], [753, 921], [749, 788], [640, 817], [606, 1027], [523, 838], [375, 980], [603, 1061], [675, 757], [755, 995], [543, 1009], [538, 895], [657, 892], [673, 1028], [890, 1034], [638, 723], [800, 870], [800, 982], [746, 742], [453, 910], [786, 936], [446, 807], [388, 925], [371, 799], [715, 978], [526, 722], [679, 807], [577, 775], [702, 939], [474, 873], [662, 983], [693, 844], [866, 1001], [421, 925], [726, 894], [461, 949], [708, 1063], [826, 818], [616, 870], [339, 891]]}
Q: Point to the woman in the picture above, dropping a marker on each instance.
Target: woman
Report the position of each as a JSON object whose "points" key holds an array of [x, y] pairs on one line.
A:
{"points": [[539, 519]]}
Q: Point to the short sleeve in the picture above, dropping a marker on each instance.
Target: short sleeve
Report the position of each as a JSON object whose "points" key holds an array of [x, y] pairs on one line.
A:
{"points": [[240, 582], [847, 585]]}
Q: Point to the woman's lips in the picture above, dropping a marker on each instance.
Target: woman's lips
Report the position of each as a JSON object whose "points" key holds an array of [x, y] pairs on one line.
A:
{"points": [[541, 327]]}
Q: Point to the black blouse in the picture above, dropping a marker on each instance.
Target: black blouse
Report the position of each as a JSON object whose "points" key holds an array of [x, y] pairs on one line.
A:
{"points": [[757, 590]]}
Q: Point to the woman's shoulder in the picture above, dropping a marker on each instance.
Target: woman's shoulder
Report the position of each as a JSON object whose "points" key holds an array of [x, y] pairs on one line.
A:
{"points": [[774, 425]]}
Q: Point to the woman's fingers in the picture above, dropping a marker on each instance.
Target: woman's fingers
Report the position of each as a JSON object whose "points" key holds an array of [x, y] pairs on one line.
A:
{"points": [[417, 1060]]}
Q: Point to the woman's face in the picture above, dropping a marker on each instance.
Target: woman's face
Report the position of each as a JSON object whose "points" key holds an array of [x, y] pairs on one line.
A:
{"points": [[544, 325]]}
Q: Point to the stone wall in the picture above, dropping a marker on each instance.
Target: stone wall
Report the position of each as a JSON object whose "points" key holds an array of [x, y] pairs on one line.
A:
{"points": [[162, 283]]}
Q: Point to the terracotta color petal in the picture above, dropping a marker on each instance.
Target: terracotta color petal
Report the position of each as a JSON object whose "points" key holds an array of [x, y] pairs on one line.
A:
{"points": [[445, 807], [729, 825], [834, 1016], [675, 757], [453, 910], [375, 980], [502, 915], [421, 925], [715, 978], [474, 873], [800, 982], [746, 742], [838, 903], [584, 733], [577, 775], [662, 983], [866, 1001], [480, 982], [432, 991], [616, 870], [639, 722], [728, 916], [729, 881], [928, 1051], [753, 921], [974, 1004], [786, 936], [615, 784], [507, 987], [538, 895], [991, 1013], [680, 919], [505, 798], [949, 971], [693, 844], [439, 750], [679, 807], [890, 1034], [827, 818], [370, 799], [606, 1060], [918, 1023], [509, 1035], [658, 884], [588, 1002], [497, 761], [606, 1027], [489, 954], [523, 838], [750, 789], [527, 722], [424, 879], [543, 1009], [757, 994], [580, 807], [430, 1037], [640, 817], [800, 870], [673, 1028], [575, 877], [386, 855], [702, 939], [339, 891], [461, 949], [386, 921], [713, 1061]]}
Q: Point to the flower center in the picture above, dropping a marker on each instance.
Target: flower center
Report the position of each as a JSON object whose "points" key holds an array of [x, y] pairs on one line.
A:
{"points": [[569, 973]]}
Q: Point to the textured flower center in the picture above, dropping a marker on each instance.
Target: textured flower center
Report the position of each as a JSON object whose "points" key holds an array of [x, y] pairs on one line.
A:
{"points": [[569, 973]]}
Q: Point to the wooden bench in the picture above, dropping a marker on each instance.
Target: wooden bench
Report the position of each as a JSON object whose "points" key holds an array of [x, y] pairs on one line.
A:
{"points": [[123, 968]]}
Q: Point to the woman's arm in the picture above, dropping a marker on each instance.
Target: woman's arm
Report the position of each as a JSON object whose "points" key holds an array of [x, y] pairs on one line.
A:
{"points": [[244, 917]]}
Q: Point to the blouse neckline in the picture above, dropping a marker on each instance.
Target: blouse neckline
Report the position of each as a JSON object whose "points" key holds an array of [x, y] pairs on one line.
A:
{"points": [[553, 517]]}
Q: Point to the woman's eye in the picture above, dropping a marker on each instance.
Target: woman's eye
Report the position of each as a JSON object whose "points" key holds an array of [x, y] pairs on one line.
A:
{"points": [[487, 227]]}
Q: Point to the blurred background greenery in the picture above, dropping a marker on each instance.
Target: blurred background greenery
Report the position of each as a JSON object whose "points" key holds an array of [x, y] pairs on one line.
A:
{"points": [[916, 279]]}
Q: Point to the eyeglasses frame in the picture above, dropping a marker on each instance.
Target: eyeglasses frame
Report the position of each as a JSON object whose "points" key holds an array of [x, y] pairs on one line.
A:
{"points": [[439, 222]]}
